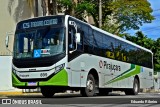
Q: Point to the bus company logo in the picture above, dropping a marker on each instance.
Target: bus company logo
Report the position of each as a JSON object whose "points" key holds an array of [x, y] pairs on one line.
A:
{"points": [[6, 101], [110, 66], [100, 64], [20, 101]]}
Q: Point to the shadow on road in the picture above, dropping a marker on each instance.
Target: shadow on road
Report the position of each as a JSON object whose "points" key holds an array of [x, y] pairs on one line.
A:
{"points": [[58, 95], [64, 95]]}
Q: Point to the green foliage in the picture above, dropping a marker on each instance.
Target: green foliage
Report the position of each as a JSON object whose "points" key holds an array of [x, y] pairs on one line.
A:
{"points": [[157, 67], [65, 2], [132, 13], [141, 40], [117, 15], [157, 54]]}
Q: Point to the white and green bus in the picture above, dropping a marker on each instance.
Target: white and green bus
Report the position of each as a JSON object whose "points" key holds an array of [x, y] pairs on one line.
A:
{"points": [[59, 53]]}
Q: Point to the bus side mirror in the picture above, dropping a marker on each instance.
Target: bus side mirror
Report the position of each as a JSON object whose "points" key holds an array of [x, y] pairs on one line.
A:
{"points": [[7, 40], [78, 37]]}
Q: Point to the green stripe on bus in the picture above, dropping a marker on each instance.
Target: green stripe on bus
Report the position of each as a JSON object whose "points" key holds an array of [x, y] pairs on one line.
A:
{"points": [[16, 82], [131, 72], [60, 79], [131, 68]]}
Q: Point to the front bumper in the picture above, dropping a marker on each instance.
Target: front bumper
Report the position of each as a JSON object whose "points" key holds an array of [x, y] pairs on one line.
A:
{"points": [[60, 79]]}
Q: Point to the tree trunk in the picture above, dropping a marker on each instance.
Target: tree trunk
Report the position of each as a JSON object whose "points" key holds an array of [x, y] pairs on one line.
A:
{"points": [[36, 8], [54, 6], [49, 7], [44, 5]]}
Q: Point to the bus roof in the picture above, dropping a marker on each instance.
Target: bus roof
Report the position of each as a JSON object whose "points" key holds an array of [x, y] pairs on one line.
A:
{"points": [[112, 35]]}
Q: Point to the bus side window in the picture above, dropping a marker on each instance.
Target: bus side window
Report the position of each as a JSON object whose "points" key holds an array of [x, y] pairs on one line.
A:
{"points": [[80, 45], [71, 39]]}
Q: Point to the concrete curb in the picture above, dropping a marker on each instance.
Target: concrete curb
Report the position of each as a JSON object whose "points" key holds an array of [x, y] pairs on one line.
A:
{"points": [[11, 93], [151, 91]]}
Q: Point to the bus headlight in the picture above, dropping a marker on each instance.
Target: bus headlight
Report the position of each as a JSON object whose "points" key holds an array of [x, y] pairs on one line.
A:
{"points": [[59, 68], [14, 71]]}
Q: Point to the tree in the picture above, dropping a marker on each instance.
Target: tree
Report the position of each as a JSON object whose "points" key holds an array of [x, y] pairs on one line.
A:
{"points": [[68, 6], [157, 54], [133, 13], [117, 15], [51, 6], [124, 14], [141, 40]]}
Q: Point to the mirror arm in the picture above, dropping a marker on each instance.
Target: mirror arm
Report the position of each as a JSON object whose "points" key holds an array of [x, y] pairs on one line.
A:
{"points": [[7, 40], [74, 49]]}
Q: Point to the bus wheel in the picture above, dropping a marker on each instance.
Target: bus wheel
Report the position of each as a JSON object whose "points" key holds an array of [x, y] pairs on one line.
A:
{"points": [[134, 90], [47, 92], [89, 90]]}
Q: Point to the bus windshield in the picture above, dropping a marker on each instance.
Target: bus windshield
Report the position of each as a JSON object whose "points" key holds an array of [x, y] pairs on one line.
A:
{"points": [[39, 42]]}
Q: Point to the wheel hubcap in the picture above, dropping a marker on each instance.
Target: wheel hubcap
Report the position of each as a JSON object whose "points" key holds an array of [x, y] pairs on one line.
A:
{"points": [[90, 85]]}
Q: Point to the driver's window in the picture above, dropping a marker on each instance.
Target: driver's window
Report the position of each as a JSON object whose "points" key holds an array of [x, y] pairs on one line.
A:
{"points": [[71, 38]]}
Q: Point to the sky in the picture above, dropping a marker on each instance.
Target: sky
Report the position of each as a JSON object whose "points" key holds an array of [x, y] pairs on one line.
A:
{"points": [[151, 30]]}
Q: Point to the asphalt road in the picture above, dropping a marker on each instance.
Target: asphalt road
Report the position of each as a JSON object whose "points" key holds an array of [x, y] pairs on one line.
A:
{"points": [[76, 100]]}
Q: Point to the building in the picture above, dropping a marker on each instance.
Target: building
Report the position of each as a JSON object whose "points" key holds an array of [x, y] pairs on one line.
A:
{"points": [[12, 11]]}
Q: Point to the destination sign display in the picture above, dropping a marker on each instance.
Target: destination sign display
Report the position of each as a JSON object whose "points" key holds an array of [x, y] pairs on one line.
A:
{"points": [[40, 22]]}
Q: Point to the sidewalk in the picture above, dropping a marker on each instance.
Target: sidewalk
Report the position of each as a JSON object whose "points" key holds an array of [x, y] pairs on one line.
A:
{"points": [[11, 93], [151, 91]]}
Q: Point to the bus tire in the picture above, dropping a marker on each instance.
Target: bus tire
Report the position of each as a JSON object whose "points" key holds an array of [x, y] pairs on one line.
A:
{"points": [[135, 89], [47, 92], [89, 90]]}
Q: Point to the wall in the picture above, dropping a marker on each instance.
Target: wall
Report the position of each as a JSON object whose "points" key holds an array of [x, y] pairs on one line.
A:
{"points": [[158, 80], [13, 11], [6, 24], [5, 74]]}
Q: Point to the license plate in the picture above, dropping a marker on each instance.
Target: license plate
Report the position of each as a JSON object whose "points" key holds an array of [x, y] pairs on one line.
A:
{"points": [[32, 83]]}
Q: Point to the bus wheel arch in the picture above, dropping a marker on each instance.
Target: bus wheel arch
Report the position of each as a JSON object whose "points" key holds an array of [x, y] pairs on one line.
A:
{"points": [[92, 82], [136, 87], [95, 75]]}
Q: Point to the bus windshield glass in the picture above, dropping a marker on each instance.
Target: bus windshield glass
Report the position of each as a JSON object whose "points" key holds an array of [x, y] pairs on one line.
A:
{"points": [[39, 42]]}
